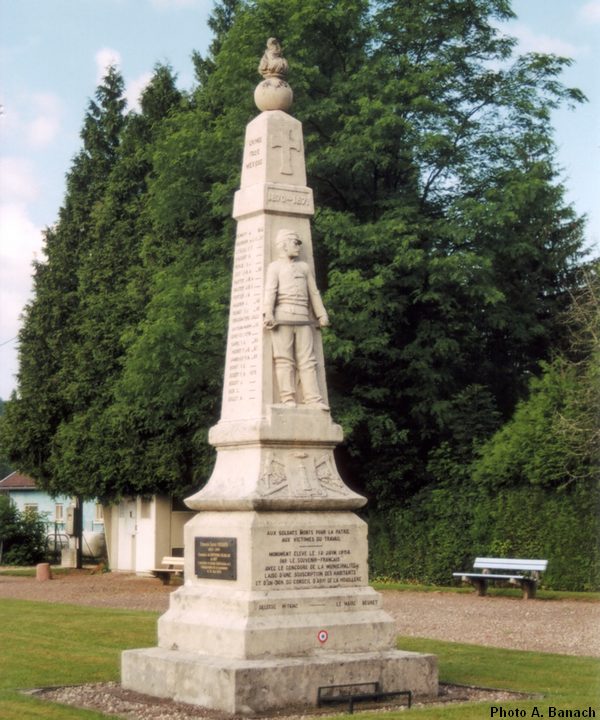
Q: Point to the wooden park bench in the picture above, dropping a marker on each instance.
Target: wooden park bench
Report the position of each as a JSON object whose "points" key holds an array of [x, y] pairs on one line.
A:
{"points": [[525, 573], [171, 566]]}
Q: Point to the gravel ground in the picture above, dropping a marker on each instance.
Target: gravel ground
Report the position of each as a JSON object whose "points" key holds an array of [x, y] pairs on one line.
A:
{"points": [[569, 627], [109, 698], [558, 626], [87, 587]]}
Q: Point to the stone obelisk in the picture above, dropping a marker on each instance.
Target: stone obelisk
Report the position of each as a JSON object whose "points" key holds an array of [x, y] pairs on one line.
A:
{"points": [[276, 601]]}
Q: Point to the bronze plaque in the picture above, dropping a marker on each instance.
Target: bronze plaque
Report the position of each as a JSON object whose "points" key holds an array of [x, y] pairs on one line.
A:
{"points": [[216, 558]]}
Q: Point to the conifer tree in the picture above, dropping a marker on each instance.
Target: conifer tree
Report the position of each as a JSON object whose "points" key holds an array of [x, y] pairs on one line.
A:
{"points": [[49, 339], [113, 292]]}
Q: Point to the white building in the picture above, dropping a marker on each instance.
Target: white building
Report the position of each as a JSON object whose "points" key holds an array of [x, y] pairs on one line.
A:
{"points": [[141, 531]]}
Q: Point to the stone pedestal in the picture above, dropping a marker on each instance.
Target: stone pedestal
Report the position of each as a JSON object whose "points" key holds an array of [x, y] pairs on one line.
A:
{"points": [[274, 606], [276, 601], [297, 575]]}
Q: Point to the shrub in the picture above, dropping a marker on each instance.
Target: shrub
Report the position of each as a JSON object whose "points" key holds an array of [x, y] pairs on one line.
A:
{"points": [[22, 535], [441, 531]]}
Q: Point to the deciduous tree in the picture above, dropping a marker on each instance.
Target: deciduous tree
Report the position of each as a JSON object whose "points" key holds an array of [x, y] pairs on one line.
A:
{"points": [[444, 247]]}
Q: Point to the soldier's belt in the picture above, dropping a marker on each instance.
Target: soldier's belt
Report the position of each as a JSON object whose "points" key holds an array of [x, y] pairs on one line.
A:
{"points": [[294, 322]]}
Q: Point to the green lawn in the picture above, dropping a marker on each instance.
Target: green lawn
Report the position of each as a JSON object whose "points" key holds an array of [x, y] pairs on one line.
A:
{"points": [[44, 644]]}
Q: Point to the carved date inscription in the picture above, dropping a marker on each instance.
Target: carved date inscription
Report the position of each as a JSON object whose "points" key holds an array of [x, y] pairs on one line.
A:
{"points": [[296, 200]]}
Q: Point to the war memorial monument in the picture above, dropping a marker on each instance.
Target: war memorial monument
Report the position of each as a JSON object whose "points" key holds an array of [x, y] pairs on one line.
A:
{"points": [[276, 602]]}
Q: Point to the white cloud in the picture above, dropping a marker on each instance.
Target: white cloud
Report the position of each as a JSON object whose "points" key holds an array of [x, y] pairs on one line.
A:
{"points": [[31, 118], [532, 42], [590, 12], [41, 131], [44, 127], [105, 57], [20, 242], [17, 180], [10, 118], [135, 88]]}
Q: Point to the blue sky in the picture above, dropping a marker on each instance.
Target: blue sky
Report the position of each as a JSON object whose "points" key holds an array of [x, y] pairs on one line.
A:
{"points": [[53, 53]]}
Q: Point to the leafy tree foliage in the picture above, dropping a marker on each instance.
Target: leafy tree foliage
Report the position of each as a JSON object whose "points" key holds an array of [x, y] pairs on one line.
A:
{"points": [[444, 246], [22, 535], [532, 490], [552, 439], [581, 423]]}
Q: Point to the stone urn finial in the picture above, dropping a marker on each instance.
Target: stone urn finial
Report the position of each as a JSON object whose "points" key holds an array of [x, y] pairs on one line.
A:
{"points": [[273, 93]]}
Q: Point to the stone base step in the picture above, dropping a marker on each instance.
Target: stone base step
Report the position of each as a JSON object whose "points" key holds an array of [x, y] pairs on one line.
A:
{"points": [[256, 686]]}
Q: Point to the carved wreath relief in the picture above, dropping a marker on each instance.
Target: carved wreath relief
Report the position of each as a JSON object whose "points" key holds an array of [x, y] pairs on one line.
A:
{"points": [[300, 474]]}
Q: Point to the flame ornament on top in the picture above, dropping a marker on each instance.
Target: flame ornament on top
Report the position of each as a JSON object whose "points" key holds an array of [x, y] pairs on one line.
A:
{"points": [[273, 93]]}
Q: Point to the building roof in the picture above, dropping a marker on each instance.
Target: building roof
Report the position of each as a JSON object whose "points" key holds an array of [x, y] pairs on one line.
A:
{"points": [[16, 481]]}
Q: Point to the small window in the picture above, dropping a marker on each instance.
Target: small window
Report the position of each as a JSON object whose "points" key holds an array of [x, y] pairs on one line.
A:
{"points": [[58, 513], [31, 508], [99, 513]]}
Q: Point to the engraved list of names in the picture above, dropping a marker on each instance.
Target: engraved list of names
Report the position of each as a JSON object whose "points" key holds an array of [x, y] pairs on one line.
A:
{"points": [[242, 389]]}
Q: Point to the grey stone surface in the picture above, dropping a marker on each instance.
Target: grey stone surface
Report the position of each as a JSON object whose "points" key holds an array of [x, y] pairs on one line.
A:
{"points": [[254, 686], [276, 601], [273, 93], [281, 461], [296, 574], [292, 309]]}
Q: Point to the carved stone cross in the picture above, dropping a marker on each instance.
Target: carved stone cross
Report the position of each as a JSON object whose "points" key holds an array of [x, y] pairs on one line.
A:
{"points": [[285, 140]]}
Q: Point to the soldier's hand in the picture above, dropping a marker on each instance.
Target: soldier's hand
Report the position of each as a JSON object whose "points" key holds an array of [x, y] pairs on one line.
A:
{"points": [[269, 320]]}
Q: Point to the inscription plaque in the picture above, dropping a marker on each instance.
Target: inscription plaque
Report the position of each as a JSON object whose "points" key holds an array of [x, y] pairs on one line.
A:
{"points": [[216, 558], [318, 557]]}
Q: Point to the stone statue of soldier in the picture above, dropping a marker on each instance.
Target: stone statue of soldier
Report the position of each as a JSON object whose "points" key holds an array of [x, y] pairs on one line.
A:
{"points": [[291, 301]]}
